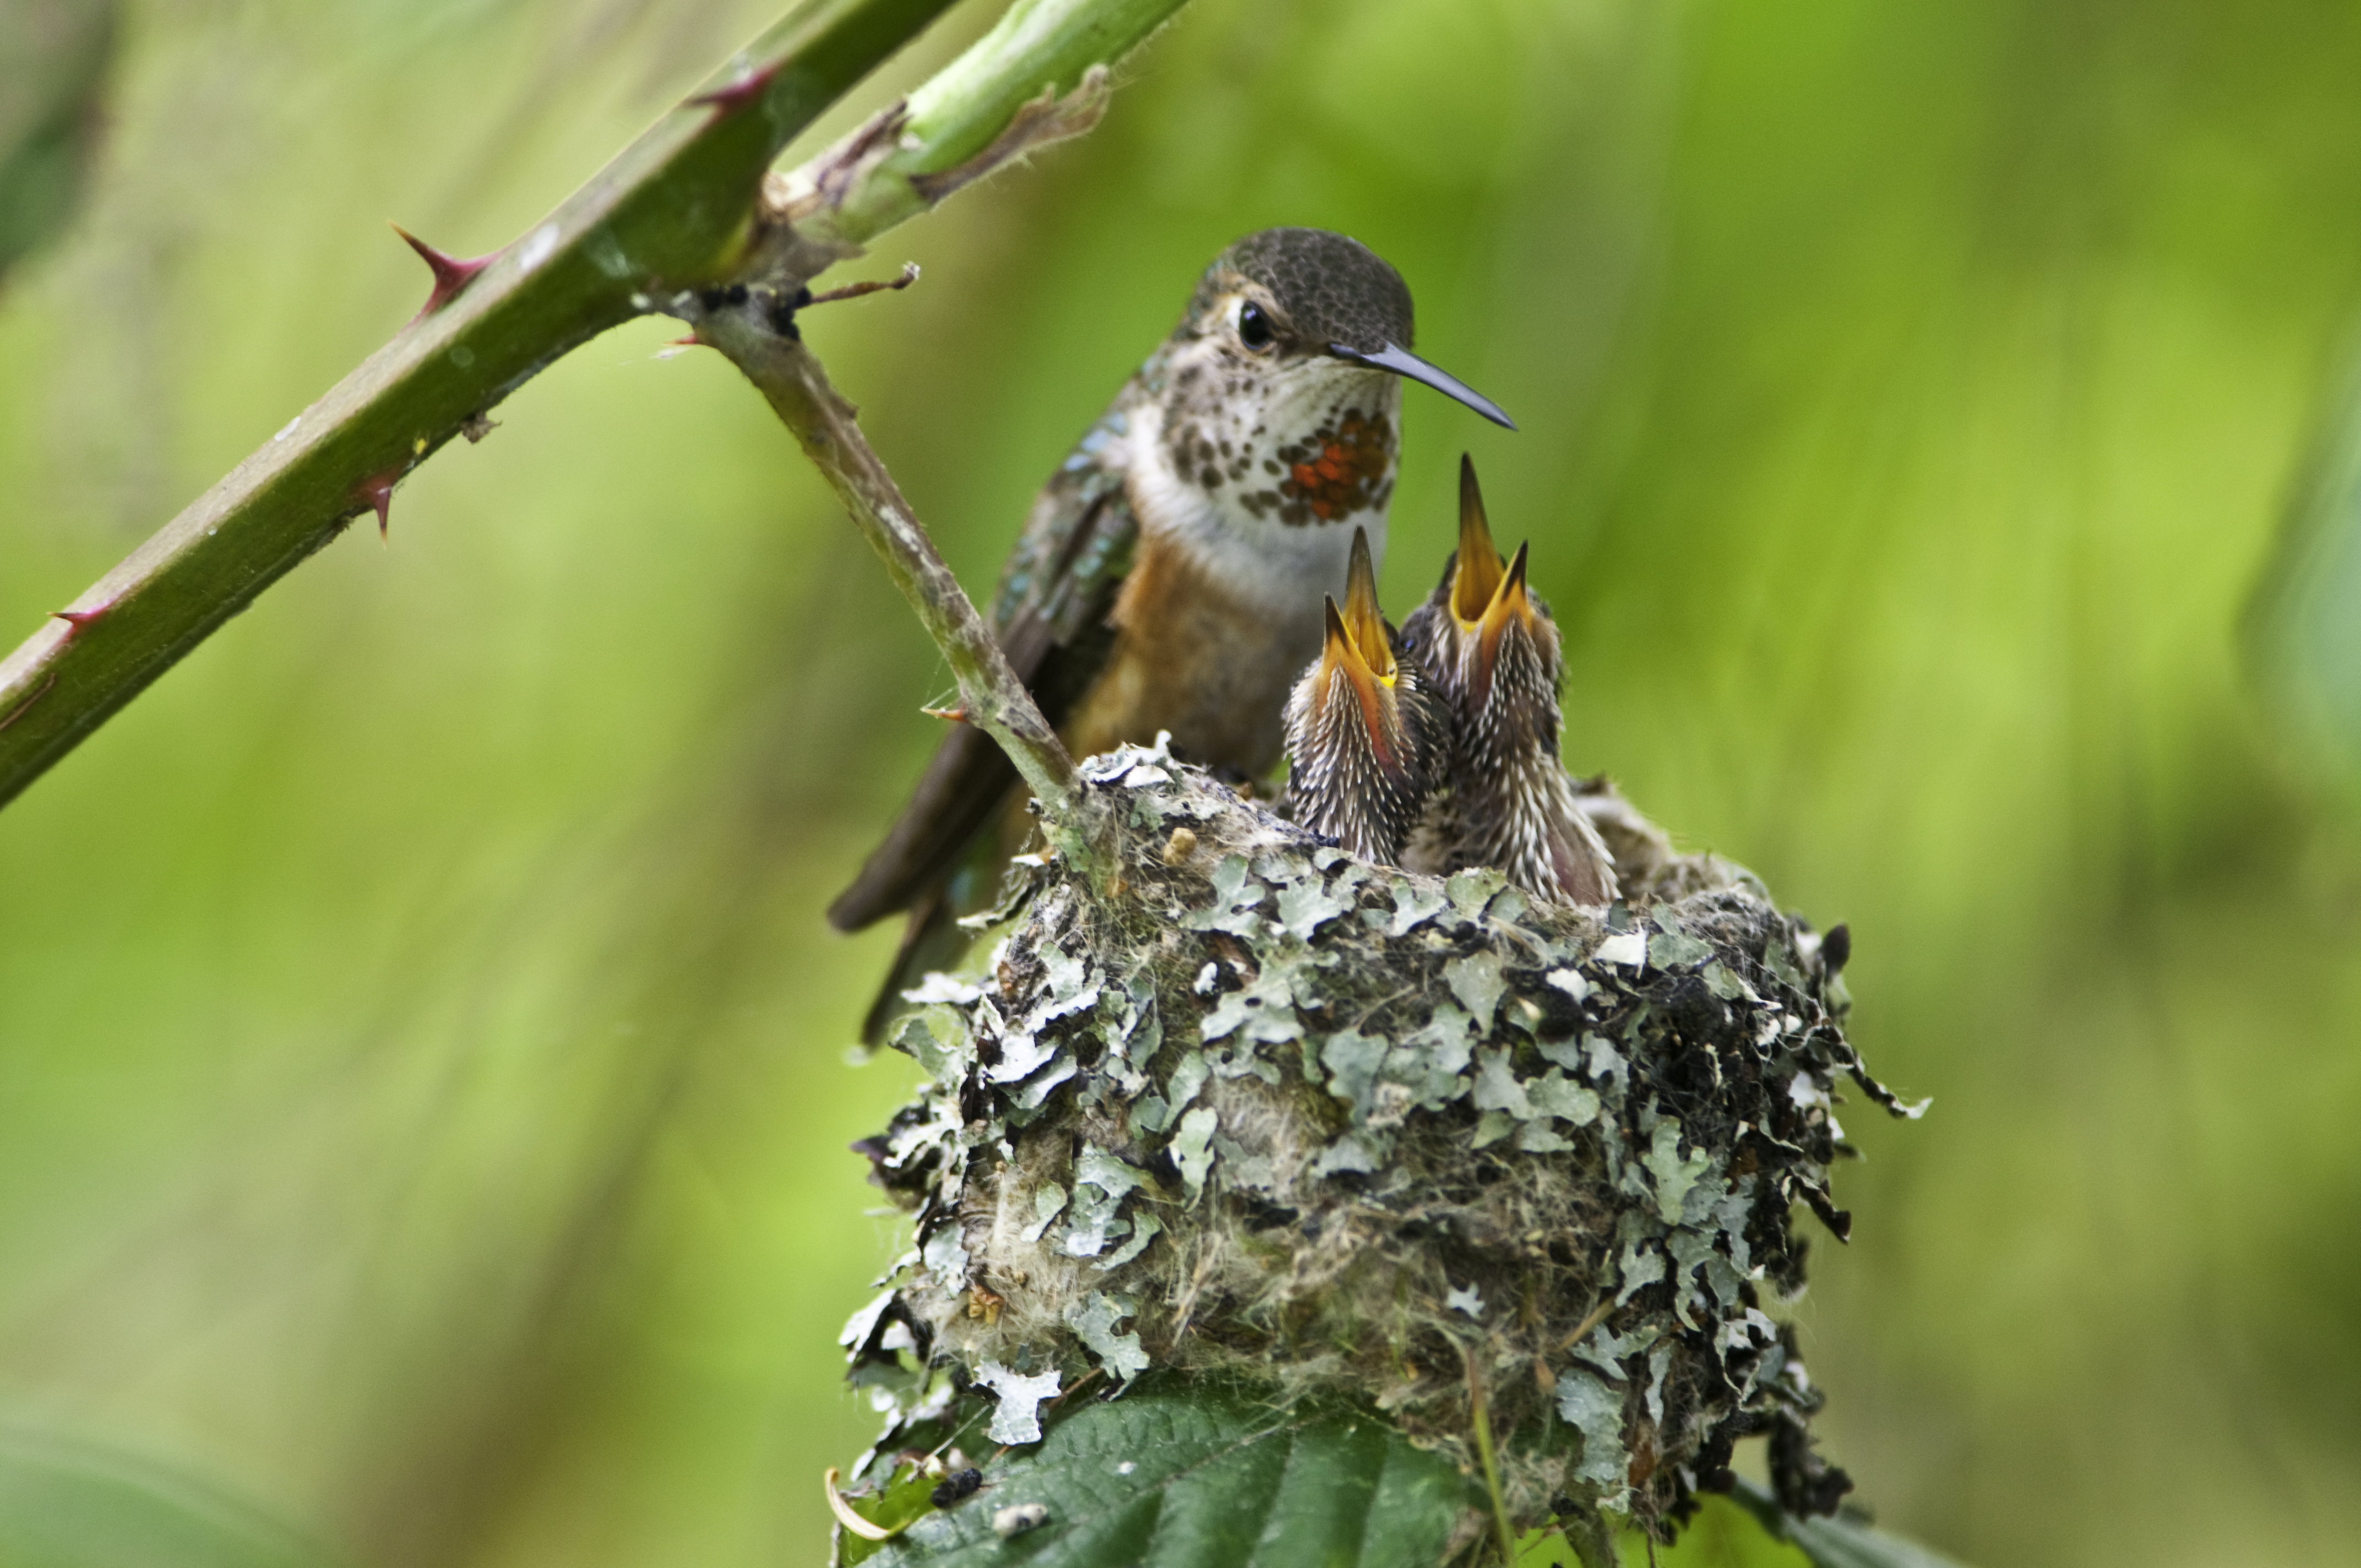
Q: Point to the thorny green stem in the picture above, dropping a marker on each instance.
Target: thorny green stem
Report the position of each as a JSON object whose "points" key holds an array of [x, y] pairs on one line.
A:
{"points": [[960, 125], [995, 701], [685, 206]]}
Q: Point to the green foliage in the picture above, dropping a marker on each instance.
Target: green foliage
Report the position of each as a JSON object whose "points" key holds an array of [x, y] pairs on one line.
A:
{"points": [[1844, 1541], [2303, 625], [1177, 1473], [70, 1505], [53, 60], [907, 1494], [1200, 1477]]}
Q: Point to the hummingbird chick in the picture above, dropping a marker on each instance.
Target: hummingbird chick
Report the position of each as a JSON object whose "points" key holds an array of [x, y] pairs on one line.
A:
{"points": [[1365, 738], [1491, 651], [1165, 576]]}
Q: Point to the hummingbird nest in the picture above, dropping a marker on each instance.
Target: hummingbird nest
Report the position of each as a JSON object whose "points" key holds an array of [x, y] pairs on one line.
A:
{"points": [[1241, 1105]]}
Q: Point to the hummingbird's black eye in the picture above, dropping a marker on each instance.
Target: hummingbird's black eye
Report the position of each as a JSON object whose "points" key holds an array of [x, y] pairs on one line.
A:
{"points": [[1254, 327]]}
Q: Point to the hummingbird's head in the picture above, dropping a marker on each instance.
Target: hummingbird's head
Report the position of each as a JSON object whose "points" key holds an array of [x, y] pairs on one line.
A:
{"points": [[1282, 385], [1489, 643], [1363, 734]]}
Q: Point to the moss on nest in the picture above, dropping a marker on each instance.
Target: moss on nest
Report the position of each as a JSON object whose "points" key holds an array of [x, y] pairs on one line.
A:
{"points": [[1241, 1105]]}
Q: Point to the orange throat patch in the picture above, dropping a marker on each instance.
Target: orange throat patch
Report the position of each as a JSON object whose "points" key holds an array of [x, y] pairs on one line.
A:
{"points": [[1340, 469], [1347, 469]]}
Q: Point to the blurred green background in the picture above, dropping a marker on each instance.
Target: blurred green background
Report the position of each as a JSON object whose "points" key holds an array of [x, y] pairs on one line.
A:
{"points": [[422, 1090]]}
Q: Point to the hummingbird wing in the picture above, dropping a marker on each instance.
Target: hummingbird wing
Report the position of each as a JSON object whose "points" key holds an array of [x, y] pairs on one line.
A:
{"points": [[1056, 592]]}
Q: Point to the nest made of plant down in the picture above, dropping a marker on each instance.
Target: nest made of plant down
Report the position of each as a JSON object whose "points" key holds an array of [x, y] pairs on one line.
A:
{"points": [[1232, 1102]]}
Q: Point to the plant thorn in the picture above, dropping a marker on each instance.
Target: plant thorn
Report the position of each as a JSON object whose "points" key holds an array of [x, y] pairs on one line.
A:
{"points": [[452, 273], [737, 94], [377, 491]]}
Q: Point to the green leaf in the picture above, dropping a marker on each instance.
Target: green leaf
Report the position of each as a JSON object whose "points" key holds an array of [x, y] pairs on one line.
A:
{"points": [[1842, 1541], [53, 60], [908, 1495], [1192, 1477], [66, 1504], [2302, 622]]}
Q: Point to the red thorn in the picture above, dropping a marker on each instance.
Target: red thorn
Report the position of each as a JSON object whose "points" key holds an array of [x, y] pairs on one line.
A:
{"points": [[452, 273], [377, 491], [737, 94], [691, 341], [79, 618], [948, 715]]}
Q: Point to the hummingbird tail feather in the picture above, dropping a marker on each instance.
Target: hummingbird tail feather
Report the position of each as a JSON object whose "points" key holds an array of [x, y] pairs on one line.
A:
{"points": [[963, 788], [931, 939]]}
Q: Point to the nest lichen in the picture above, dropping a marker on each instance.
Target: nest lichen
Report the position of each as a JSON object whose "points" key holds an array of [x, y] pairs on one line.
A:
{"points": [[1242, 1104]]}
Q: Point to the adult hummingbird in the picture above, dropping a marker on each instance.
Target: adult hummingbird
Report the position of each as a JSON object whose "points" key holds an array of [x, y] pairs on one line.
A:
{"points": [[1489, 648], [1366, 741], [1166, 576]]}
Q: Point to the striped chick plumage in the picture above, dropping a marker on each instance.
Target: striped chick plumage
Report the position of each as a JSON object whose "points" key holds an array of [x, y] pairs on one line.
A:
{"points": [[1491, 651], [1366, 738]]}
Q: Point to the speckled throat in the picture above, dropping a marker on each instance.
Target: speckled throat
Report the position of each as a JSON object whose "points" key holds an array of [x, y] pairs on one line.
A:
{"points": [[1315, 449], [1261, 473]]}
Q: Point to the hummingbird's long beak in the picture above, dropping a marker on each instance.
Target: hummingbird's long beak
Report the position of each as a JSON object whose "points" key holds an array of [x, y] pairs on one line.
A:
{"points": [[1402, 362]]}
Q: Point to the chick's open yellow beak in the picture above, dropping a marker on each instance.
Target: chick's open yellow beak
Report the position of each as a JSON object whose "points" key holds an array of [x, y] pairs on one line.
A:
{"points": [[1371, 689], [1509, 604], [1476, 579], [1363, 619]]}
